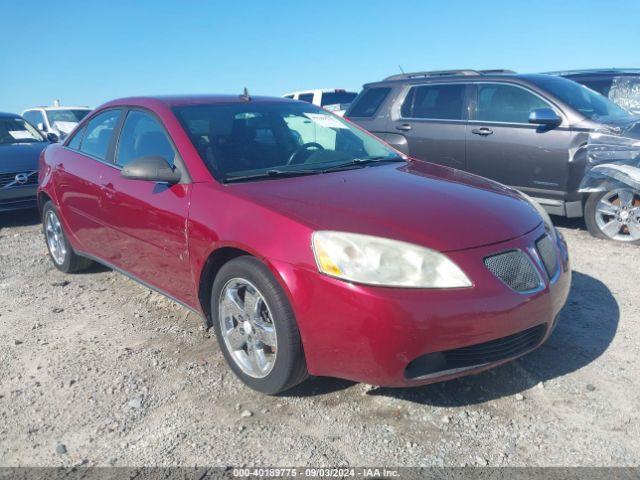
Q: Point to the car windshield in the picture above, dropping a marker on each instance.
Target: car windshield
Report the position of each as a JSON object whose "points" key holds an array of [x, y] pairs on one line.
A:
{"points": [[17, 130], [252, 140], [66, 115], [591, 104]]}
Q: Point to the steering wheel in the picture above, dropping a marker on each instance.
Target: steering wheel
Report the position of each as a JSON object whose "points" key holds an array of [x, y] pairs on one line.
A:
{"points": [[303, 148]]}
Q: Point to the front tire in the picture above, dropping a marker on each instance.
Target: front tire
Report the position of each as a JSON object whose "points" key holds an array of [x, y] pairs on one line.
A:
{"points": [[614, 215], [60, 250], [256, 328]]}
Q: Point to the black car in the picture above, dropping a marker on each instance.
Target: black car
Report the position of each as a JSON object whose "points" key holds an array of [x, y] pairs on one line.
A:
{"points": [[622, 86], [20, 147], [541, 134]]}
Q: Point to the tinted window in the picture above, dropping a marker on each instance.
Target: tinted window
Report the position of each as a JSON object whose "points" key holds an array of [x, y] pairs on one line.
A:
{"points": [[17, 130], [98, 134], [306, 97], [440, 102], [589, 103], [249, 139], [369, 102], [76, 140], [506, 103], [600, 85], [335, 98], [143, 136]]}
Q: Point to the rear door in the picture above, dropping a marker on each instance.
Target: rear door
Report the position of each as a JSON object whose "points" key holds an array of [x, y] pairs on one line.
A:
{"points": [[504, 146], [85, 160], [148, 220], [433, 118]]}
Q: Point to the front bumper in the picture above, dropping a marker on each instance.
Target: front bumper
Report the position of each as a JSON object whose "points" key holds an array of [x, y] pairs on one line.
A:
{"points": [[18, 198], [373, 334]]}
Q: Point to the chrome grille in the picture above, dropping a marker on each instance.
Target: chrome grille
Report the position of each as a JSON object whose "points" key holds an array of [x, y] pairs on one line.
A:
{"points": [[548, 254], [515, 269], [9, 179]]}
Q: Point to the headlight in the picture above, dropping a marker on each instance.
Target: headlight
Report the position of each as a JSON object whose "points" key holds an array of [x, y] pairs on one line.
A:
{"points": [[543, 213], [381, 261]]}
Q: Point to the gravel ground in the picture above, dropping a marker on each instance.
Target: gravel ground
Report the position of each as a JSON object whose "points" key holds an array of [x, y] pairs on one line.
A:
{"points": [[98, 370]]}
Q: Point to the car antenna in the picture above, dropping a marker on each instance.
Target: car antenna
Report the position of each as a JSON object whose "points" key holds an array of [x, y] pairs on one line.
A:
{"points": [[401, 70], [245, 95]]}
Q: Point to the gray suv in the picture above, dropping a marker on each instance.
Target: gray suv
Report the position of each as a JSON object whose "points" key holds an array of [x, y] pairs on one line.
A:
{"points": [[533, 132]]}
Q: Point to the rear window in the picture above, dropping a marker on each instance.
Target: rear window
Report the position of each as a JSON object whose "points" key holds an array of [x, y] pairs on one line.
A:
{"points": [[368, 103], [306, 97], [335, 98], [437, 102]]}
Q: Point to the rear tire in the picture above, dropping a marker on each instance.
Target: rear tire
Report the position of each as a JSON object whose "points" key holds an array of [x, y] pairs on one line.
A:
{"points": [[611, 202], [263, 349], [60, 250]]}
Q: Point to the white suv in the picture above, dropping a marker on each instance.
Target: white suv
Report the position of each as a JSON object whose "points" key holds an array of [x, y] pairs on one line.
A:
{"points": [[56, 119], [335, 100]]}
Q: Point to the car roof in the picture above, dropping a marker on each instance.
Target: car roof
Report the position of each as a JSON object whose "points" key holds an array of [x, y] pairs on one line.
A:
{"points": [[9, 115], [184, 100], [458, 76]]}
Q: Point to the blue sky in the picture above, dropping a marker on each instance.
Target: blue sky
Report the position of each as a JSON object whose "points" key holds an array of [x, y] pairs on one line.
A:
{"points": [[87, 52]]}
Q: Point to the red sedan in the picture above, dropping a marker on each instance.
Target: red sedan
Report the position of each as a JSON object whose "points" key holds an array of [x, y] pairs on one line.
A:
{"points": [[309, 246]]}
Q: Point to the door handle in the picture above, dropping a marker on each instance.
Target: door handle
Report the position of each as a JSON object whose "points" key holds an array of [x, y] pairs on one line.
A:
{"points": [[484, 131], [405, 127]]}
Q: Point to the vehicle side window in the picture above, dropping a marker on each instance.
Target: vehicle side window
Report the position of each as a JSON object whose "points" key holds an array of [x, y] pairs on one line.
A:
{"points": [[437, 102], [76, 140], [369, 102], [98, 134], [143, 136], [306, 97], [288, 96], [506, 103], [29, 117]]}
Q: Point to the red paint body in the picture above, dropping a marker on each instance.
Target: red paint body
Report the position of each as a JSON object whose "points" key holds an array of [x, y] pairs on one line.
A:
{"points": [[164, 235]]}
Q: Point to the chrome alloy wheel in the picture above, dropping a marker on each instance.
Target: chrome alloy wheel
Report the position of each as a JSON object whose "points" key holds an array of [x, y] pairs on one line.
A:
{"points": [[247, 327], [618, 215], [55, 238]]}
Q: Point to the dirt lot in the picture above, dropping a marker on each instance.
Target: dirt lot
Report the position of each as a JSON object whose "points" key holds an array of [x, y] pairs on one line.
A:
{"points": [[96, 369]]}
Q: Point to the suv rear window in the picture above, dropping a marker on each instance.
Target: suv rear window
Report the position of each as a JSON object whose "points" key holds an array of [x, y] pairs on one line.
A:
{"points": [[369, 102], [437, 102], [335, 98]]}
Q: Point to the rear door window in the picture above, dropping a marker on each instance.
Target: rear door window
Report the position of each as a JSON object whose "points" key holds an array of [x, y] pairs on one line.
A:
{"points": [[506, 103], [98, 135], [143, 136], [435, 102], [368, 103]]}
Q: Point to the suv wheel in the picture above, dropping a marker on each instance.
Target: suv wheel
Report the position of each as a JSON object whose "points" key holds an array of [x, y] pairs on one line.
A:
{"points": [[256, 327], [614, 215], [60, 250]]}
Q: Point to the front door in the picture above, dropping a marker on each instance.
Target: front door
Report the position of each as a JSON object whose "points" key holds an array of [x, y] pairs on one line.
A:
{"points": [[148, 219], [502, 145], [78, 182], [433, 119]]}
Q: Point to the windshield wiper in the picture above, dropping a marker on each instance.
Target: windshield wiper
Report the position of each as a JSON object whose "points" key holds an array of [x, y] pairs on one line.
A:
{"points": [[356, 162], [273, 173]]}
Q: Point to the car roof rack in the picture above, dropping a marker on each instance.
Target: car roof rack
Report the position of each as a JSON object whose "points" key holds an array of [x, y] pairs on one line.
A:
{"points": [[445, 73]]}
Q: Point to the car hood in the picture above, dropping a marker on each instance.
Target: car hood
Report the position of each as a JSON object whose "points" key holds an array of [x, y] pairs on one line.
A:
{"points": [[418, 202], [19, 157]]}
